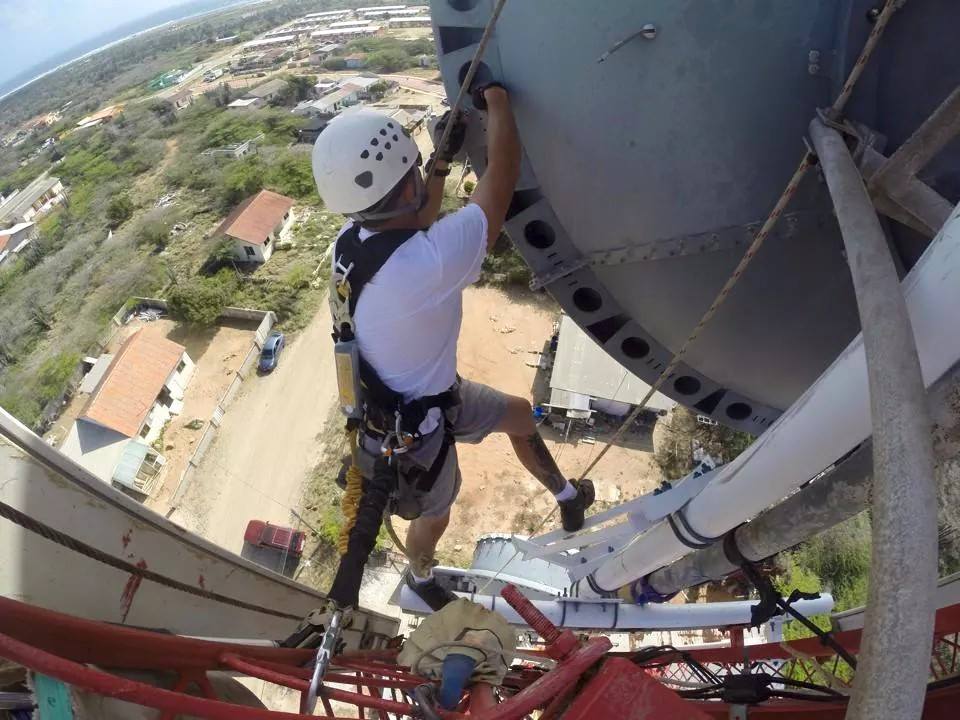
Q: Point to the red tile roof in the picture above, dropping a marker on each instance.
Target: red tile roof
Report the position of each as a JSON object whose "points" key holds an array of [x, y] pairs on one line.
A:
{"points": [[123, 398], [256, 217]]}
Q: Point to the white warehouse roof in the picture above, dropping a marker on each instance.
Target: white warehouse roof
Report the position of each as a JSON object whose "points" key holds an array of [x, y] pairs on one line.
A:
{"points": [[582, 367]]}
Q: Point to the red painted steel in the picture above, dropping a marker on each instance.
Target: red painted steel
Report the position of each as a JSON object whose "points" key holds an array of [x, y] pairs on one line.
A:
{"points": [[103, 683], [622, 690]]}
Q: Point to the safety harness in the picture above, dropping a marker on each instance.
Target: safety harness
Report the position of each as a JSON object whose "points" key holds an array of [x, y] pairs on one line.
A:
{"points": [[379, 412], [383, 413]]}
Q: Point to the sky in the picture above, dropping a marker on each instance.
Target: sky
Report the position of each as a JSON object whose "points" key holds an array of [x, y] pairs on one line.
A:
{"points": [[33, 30]]}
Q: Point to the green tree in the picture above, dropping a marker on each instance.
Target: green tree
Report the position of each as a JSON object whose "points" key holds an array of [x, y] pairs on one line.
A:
{"points": [[241, 180], [119, 210], [335, 63], [201, 300], [388, 61], [378, 90], [291, 174], [53, 375]]}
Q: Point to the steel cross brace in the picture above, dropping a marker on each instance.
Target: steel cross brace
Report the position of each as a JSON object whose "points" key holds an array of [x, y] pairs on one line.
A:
{"points": [[582, 553]]}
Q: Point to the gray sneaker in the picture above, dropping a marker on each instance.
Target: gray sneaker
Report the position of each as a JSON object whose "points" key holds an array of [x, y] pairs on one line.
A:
{"points": [[431, 592]]}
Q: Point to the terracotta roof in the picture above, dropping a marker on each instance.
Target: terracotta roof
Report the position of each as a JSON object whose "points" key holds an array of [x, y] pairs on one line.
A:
{"points": [[129, 388], [256, 217]]}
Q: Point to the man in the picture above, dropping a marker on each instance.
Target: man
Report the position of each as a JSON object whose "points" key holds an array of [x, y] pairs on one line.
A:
{"points": [[407, 319]]}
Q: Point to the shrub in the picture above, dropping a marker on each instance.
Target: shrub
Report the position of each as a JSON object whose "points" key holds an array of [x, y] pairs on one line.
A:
{"points": [[335, 63], [200, 300], [53, 375], [119, 210], [469, 186]]}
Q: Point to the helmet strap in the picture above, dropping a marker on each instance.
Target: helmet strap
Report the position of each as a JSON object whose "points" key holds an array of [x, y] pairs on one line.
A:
{"points": [[420, 199]]}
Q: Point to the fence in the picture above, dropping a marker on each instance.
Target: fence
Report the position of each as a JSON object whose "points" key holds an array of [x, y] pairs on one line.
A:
{"points": [[267, 319]]}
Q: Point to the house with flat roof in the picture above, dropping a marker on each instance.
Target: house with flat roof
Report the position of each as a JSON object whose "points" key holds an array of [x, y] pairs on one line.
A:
{"points": [[256, 224], [268, 90], [136, 392], [181, 100], [246, 104], [33, 202], [101, 116]]}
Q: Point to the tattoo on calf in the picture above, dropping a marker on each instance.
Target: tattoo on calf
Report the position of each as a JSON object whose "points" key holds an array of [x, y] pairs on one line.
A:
{"points": [[547, 473]]}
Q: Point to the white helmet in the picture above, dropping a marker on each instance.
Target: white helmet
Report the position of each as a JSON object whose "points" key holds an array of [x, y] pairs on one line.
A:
{"points": [[359, 158]]}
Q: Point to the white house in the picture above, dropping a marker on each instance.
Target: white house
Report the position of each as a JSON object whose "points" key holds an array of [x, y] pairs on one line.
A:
{"points": [[132, 400], [14, 239], [256, 224], [246, 104], [31, 203]]}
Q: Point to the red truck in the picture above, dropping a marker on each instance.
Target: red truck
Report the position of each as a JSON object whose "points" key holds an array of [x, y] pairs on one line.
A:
{"points": [[267, 535]]}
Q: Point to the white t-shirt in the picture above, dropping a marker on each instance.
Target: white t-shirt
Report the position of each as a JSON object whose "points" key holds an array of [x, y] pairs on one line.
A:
{"points": [[408, 317]]}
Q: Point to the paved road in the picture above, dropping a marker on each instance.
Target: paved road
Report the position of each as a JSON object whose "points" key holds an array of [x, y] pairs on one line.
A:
{"points": [[267, 444]]}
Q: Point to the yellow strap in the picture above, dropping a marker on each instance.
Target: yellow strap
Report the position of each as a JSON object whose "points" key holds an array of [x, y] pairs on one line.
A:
{"points": [[351, 497]]}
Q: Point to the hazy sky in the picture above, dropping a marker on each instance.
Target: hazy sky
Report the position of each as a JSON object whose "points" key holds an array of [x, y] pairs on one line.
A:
{"points": [[33, 30]]}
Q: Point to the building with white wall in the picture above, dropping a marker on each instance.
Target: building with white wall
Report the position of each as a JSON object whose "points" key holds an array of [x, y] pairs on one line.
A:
{"points": [[134, 396], [256, 224]]}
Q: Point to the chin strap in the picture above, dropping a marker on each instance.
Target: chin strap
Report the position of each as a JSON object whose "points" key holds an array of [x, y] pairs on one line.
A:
{"points": [[419, 202]]}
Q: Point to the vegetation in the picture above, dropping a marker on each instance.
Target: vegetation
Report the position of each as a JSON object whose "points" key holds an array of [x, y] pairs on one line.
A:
{"points": [[684, 433], [122, 71], [201, 300]]}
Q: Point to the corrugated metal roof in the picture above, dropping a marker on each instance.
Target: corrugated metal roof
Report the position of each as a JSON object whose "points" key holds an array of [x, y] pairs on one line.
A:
{"points": [[581, 366]]}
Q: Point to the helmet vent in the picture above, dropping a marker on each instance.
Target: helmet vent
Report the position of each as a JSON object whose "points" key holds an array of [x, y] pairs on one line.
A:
{"points": [[364, 179]]}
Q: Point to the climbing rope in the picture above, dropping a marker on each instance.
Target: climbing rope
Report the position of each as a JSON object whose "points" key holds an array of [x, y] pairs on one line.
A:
{"points": [[351, 495], [806, 162], [468, 80], [789, 191]]}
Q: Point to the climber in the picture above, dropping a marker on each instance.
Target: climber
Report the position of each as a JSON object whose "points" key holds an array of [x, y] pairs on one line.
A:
{"points": [[396, 298]]}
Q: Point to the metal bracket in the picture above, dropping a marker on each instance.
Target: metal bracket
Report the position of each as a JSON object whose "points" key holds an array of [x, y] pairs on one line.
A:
{"points": [[718, 240], [561, 269], [582, 553]]}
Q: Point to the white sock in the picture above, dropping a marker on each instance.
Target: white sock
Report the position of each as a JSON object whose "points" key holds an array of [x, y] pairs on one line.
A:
{"points": [[420, 580], [569, 492]]}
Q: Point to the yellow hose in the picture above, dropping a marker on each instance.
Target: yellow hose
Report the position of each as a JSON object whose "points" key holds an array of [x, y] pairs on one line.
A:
{"points": [[351, 496]]}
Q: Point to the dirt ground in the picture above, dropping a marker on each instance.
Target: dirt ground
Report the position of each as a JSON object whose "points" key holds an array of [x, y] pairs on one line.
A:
{"points": [[273, 436], [267, 445]]}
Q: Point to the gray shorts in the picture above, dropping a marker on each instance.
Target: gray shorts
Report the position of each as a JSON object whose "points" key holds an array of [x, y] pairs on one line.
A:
{"points": [[480, 410]]}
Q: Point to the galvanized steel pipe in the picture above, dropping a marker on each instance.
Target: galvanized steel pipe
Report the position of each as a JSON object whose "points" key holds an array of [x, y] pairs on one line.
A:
{"points": [[895, 655]]}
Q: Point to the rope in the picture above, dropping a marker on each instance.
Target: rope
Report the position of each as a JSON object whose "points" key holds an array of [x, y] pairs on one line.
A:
{"points": [[71, 543], [806, 162], [721, 297], [351, 496], [468, 79]]}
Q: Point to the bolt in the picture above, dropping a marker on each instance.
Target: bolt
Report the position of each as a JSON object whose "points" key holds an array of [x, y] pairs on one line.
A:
{"points": [[649, 31], [533, 617]]}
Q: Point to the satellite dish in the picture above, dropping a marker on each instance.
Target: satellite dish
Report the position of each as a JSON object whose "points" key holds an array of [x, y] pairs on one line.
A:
{"points": [[646, 174]]}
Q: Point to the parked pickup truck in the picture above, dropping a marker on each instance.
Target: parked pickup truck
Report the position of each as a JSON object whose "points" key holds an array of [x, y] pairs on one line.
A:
{"points": [[267, 535]]}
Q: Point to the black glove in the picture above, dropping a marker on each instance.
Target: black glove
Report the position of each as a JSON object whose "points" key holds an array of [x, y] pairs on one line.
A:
{"points": [[454, 141], [479, 101]]}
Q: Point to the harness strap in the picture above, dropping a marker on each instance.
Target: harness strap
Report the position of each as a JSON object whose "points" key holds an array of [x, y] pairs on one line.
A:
{"points": [[366, 257]]}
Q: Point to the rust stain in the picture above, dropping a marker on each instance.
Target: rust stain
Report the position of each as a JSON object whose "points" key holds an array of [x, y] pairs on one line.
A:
{"points": [[130, 590], [125, 538], [202, 582]]}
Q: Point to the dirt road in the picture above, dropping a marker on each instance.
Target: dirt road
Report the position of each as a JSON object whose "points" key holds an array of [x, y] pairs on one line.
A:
{"points": [[267, 444]]}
